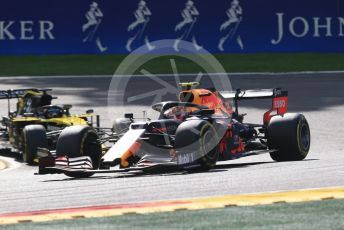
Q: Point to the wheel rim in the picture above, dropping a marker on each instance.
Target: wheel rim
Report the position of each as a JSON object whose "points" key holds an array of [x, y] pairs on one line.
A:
{"points": [[305, 137], [208, 145], [24, 147]]}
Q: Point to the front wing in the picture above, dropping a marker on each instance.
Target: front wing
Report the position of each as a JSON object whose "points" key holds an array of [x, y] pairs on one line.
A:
{"points": [[83, 165]]}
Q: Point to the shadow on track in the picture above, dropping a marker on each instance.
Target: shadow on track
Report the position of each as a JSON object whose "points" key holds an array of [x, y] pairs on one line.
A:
{"points": [[172, 171], [15, 155], [167, 172]]}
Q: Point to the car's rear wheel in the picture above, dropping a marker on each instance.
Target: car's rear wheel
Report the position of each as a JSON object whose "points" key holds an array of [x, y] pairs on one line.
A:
{"points": [[197, 137], [290, 136], [33, 137], [78, 141]]}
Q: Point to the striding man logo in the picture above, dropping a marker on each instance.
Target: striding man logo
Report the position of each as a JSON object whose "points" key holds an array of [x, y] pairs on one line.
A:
{"points": [[139, 26], [231, 26], [186, 26], [94, 18]]}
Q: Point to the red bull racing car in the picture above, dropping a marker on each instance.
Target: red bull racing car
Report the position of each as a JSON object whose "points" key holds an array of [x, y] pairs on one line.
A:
{"points": [[203, 127]]}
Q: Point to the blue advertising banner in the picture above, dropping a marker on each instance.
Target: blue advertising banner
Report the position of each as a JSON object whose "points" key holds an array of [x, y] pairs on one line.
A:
{"points": [[35, 27]]}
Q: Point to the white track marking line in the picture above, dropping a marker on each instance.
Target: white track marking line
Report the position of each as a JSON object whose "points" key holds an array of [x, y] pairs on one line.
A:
{"points": [[263, 74]]}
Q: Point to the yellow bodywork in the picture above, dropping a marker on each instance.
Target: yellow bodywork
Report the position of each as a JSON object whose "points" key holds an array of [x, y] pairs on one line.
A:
{"points": [[63, 121], [66, 120], [25, 115]]}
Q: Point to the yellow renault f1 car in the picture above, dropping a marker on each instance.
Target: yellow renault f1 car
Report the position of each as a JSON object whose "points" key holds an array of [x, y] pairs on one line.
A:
{"points": [[36, 122]]}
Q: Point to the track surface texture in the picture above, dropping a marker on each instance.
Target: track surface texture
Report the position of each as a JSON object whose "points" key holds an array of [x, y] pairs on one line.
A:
{"points": [[320, 97]]}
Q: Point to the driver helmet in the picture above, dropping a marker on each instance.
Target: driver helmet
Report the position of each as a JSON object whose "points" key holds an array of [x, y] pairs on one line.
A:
{"points": [[52, 112], [175, 113]]}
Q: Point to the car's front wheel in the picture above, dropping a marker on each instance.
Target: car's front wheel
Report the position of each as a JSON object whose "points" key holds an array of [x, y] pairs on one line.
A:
{"points": [[79, 141], [197, 145], [33, 137]]}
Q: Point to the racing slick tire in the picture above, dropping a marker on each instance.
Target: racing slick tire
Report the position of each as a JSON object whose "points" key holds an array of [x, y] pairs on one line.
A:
{"points": [[33, 136], [121, 125], [78, 141], [197, 136], [290, 136]]}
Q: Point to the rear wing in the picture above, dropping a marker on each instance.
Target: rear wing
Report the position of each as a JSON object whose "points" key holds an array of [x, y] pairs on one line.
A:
{"points": [[16, 93], [253, 94], [279, 100]]}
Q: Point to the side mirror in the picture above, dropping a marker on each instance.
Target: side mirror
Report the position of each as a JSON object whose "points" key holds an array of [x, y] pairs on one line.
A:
{"points": [[6, 121], [67, 107], [129, 116], [13, 113], [157, 107], [89, 111]]}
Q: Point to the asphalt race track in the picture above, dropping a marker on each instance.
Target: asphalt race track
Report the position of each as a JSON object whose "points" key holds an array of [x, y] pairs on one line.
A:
{"points": [[319, 96]]}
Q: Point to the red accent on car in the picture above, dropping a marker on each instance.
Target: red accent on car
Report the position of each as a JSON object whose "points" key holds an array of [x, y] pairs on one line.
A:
{"points": [[279, 105]]}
